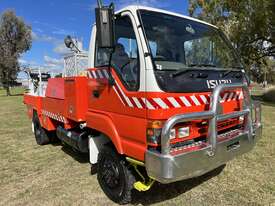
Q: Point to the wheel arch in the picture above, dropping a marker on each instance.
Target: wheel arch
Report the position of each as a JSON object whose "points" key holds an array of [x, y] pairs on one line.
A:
{"points": [[104, 125], [35, 114]]}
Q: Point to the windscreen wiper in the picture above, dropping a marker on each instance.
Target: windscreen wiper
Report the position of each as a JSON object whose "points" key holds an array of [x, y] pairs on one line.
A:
{"points": [[202, 65], [184, 70], [235, 69]]}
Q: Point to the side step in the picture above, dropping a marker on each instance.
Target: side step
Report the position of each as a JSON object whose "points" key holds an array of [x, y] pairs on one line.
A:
{"points": [[78, 141]]}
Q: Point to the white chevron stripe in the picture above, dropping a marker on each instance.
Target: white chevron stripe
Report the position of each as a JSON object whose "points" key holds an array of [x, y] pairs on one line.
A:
{"points": [[174, 102], [99, 73], [224, 97], [235, 96], [185, 101], [94, 73], [106, 73], [203, 98], [125, 97], [148, 104], [118, 95], [137, 102], [195, 100], [161, 103], [230, 96]]}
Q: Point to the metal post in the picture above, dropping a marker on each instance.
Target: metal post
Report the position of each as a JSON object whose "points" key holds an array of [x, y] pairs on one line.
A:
{"points": [[64, 69], [75, 64], [40, 82], [99, 3]]}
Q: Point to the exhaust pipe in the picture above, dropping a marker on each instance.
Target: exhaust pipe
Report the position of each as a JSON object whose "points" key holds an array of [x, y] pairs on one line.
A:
{"points": [[79, 141]]}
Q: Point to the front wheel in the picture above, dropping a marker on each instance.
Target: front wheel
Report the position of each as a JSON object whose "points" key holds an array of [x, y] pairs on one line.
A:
{"points": [[115, 179]]}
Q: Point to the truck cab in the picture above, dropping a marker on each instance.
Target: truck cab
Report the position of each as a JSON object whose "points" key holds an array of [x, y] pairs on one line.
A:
{"points": [[168, 101]]}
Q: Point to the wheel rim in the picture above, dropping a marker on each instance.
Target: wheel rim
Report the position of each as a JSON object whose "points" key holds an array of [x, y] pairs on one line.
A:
{"points": [[110, 174]]}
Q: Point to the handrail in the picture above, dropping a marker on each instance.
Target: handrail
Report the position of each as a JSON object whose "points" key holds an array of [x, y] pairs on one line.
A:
{"points": [[214, 114]]}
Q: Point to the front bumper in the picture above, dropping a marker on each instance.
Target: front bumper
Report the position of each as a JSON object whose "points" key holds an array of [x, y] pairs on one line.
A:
{"points": [[166, 167], [169, 168]]}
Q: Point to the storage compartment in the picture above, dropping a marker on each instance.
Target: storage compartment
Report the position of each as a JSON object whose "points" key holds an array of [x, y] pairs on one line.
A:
{"points": [[76, 103]]}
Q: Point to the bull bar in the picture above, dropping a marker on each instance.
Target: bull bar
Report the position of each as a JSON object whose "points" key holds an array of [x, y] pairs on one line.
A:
{"points": [[165, 167]]}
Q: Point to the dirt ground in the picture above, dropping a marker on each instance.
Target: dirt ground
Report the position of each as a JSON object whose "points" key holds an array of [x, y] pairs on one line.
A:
{"points": [[55, 175]]}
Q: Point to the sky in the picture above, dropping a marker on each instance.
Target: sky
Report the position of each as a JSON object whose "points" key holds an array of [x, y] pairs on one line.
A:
{"points": [[52, 20]]}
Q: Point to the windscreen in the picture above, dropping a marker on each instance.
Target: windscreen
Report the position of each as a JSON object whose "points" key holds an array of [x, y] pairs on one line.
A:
{"points": [[177, 43]]}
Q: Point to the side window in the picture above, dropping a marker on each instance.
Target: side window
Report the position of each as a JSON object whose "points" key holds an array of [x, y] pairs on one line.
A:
{"points": [[125, 57], [153, 46], [101, 57]]}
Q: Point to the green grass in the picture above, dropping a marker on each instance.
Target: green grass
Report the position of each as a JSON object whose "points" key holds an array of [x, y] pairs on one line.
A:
{"points": [[54, 175]]}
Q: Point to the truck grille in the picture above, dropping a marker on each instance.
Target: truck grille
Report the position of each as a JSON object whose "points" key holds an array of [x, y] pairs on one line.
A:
{"points": [[227, 130]]}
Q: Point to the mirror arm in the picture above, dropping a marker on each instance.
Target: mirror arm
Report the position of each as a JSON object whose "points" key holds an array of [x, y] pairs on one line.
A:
{"points": [[111, 78], [111, 6], [99, 3]]}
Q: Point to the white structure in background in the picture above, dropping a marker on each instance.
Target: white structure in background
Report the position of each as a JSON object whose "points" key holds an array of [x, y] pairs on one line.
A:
{"points": [[76, 61], [38, 82]]}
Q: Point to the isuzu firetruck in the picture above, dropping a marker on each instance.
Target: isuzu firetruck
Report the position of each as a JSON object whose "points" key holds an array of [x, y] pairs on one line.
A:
{"points": [[163, 97]]}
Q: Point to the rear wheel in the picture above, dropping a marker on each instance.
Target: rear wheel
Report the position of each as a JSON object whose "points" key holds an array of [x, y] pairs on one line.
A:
{"points": [[115, 179], [41, 135]]}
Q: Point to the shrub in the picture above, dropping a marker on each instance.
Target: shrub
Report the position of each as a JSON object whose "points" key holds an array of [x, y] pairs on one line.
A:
{"points": [[269, 94]]}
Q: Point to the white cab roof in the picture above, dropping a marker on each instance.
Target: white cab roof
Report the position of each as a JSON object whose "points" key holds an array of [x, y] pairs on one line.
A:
{"points": [[134, 8]]}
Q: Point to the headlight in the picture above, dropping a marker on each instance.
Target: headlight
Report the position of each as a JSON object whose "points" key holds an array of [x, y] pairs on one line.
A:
{"points": [[183, 132], [172, 134]]}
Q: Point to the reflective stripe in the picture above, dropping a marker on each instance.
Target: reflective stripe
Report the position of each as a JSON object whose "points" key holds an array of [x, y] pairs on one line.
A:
{"points": [[99, 73], [230, 96], [161, 103], [173, 102], [195, 100], [137, 102], [54, 116], [185, 101], [203, 98], [94, 74], [148, 104]]}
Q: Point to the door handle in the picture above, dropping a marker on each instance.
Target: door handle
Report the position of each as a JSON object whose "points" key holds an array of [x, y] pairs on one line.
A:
{"points": [[96, 93]]}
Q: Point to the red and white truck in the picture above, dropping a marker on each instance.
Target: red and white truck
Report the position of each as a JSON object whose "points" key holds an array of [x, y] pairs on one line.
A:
{"points": [[163, 98]]}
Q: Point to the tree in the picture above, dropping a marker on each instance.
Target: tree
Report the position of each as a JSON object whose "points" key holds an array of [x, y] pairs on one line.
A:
{"points": [[15, 39], [249, 24]]}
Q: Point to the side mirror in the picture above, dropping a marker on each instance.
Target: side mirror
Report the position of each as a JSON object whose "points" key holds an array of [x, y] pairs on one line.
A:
{"points": [[105, 26]]}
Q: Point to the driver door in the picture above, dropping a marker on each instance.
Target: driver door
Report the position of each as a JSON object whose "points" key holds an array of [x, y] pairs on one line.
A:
{"points": [[121, 101]]}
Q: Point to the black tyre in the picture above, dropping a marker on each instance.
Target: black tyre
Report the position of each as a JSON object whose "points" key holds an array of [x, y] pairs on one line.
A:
{"points": [[41, 135], [115, 179]]}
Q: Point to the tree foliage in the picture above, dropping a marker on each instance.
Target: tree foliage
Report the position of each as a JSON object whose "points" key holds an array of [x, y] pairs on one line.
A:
{"points": [[249, 24], [15, 39]]}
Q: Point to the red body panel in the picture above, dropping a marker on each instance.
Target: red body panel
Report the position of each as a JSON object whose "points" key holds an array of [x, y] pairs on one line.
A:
{"points": [[120, 114], [76, 104], [55, 88], [32, 101]]}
